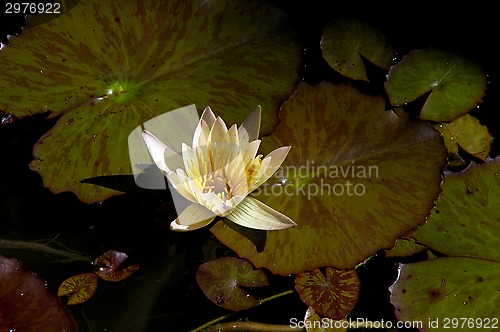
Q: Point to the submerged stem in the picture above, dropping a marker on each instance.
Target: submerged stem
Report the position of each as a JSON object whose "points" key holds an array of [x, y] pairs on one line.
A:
{"points": [[246, 326], [69, 255]]}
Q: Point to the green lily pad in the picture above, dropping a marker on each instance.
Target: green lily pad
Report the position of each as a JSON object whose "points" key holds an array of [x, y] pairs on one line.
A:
{"points": [[454, 83], [439, 290], [356, 179], [464, 224], [404, 248], [333, 294], [221, 279], [79, 288], [105, 68], [468, 133], [346, 42], [466, 218]]}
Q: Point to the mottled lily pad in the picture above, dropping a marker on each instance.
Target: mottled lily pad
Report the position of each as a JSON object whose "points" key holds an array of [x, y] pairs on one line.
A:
{"points": [[404, 248], [332, 294], [221, 279], [105, 68], [466, 218], [455, 84], [346, 42], [468, 133], [79, 288], [445, 288], [357, 177], [26, 304], [465, 225], [108, 263]]}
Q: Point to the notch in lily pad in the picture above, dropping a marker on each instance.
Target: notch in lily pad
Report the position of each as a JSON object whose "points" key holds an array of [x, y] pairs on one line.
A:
{"points": [[221, 281], [108, 263]]}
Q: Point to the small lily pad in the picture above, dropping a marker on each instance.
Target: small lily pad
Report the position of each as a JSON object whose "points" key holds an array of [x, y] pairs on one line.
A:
{"points": [[80, 288], [455, 84], [108, 263], [346, 42], [332, 294], [26, 304], [468, 133], [221, 279]]}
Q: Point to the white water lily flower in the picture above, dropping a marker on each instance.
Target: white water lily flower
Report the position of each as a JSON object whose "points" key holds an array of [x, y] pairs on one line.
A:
{"points": [[219, 171]]}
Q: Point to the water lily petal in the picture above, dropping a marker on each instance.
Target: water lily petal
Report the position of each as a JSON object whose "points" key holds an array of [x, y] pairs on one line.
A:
{"points": [[180, 186], [190, 159], [250, 151], [165, 158], [208, 116], [216, 204], [249, 129], [218, 131], [193, 217], [201, 133], [275, 158], [253, 213]]}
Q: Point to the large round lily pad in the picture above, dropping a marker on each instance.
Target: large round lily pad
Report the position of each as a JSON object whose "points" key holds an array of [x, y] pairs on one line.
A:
{"points": [[455, 84], [357, 177], [105, 67]]}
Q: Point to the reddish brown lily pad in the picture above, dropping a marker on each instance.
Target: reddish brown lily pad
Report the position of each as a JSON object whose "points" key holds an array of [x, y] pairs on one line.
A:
{"points": [[26, 304], [332, 294], [221, 279], [79, 288], [108, 264]]}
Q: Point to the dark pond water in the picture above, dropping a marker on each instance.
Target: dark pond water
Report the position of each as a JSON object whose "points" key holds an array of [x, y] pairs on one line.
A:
{"points": [[163, 294]]}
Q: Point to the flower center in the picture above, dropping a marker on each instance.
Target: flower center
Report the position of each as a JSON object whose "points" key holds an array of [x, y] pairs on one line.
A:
{"points": [[218, 184]]}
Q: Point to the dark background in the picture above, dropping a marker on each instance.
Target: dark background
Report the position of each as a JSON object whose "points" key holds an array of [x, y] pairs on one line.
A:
{"points": [[30, 212]]}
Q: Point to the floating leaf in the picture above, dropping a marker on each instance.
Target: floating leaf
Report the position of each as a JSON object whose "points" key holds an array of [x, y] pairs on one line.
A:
{"points": [[80, 288], [469, 133], [221, 279], [346, 42], [314, 323], [332, 294], [447, 288], [456, 85], [105, 68], [465, 223], [403, 248], [356, 179], [466, 218], [26, 304], [108, 264]]}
